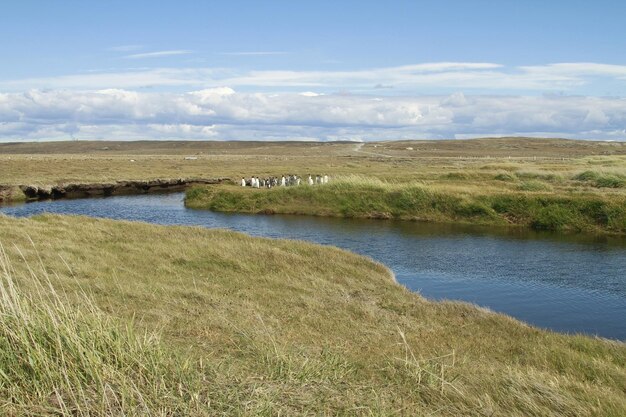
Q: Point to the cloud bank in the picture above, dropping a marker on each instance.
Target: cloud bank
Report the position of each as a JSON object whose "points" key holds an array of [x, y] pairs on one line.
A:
{"points": [[223, 113], [576, 100]]}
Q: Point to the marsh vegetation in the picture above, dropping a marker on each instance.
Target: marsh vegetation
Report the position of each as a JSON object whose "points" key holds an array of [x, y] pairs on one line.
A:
{"points": [[529, 203]]}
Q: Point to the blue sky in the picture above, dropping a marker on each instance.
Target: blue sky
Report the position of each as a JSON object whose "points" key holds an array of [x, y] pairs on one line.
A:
{"points": [[353, 70]]}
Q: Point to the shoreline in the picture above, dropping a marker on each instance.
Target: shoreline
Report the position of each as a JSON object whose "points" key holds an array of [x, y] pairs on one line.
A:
{"points": [[572, 213], [25, 193], [16, 194]]}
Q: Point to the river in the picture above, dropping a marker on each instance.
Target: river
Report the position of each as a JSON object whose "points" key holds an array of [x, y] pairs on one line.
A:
{"points": [[568, 283]]}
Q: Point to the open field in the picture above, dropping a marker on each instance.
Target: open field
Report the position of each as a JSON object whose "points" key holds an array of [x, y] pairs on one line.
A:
{"points": [[50, 163], [471, 166], [495, 147], [254, 326]]}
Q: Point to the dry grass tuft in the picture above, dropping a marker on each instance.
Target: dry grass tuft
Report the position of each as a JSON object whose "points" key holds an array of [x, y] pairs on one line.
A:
{"points": [[59, 358]]}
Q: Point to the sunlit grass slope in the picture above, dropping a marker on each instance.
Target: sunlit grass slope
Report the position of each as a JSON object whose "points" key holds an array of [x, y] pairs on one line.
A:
{"points": [[61, 358], [265, 327], [529, 204]]}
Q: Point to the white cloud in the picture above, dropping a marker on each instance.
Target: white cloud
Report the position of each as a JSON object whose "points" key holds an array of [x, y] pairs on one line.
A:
{"points": [[223, 113], [254, 53], [432, 78], [578, 69], [129, 79], [158, 54], [596, 117]]}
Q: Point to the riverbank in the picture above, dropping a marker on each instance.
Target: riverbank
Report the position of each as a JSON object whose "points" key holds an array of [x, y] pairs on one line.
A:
{"points": [[266, 328], [359, 197], [14, 194], [11, 194]]}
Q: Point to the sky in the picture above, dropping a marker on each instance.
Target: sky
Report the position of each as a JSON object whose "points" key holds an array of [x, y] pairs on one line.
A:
{"points": [[323, 70]]}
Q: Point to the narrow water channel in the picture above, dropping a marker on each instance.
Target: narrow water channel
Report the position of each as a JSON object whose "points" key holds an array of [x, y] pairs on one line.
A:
{"points": [[568, 283]]}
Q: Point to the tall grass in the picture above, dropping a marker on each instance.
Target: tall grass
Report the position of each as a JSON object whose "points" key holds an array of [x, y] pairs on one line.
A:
{"points": [[60, 359], [533, 205], [539, 175], [602, 179]]}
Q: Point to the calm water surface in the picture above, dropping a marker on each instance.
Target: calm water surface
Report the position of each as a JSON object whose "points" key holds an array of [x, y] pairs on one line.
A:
{"points": [[568, 283]]}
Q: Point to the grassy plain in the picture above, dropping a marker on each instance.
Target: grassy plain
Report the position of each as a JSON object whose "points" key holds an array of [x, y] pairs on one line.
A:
{"points": [[178, 320], [463, 163], [555, 167]]}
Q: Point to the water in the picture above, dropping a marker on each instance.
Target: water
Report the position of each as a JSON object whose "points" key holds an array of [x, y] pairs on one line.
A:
{"points": [[568, 283]]}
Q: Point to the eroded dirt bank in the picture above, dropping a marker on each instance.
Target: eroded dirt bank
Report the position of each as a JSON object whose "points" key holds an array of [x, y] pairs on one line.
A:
{"points": [[31, 192]]}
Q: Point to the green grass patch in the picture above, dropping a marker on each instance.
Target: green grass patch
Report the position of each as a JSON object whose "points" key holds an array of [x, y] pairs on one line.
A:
{"points": [[601, 180], [504, 176], [539, 175], [533, 185], [358, 197]]}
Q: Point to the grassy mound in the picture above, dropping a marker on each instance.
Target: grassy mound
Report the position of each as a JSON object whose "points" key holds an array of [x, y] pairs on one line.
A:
{"points": [[358, 197], [268, 327], [601, 179], [11, 194]]}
